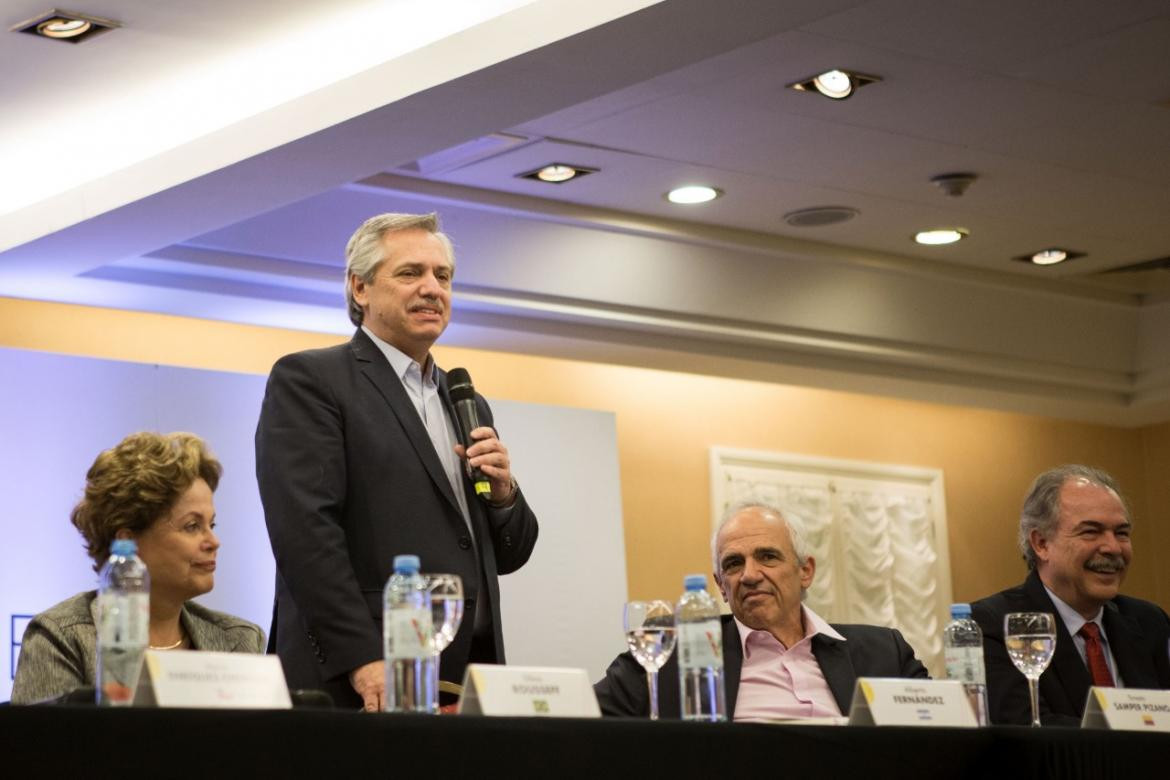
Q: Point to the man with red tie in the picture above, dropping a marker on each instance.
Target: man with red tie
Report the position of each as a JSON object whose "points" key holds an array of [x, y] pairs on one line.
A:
{"points": [[1075, 537]]}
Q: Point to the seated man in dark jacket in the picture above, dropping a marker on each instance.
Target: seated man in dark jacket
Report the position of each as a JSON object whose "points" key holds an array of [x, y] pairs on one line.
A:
{"points": [[780, 659], [1075, 537]]}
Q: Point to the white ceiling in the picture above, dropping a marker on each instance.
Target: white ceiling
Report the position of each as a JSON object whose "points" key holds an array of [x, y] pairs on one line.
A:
{"points": [[175, 72], [238, 167]]}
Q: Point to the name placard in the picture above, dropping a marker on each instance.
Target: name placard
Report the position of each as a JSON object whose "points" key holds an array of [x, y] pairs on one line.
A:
{"points": [[1127, 709], [189, 678], [879, 701], [527, 690]]}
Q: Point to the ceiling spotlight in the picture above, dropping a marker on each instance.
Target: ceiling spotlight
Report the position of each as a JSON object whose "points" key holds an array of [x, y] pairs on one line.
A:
{"points": [[835, 84], [1050, 256], [558, 173], [693, 193], [940, 236], [63, 28], [66, 26]]}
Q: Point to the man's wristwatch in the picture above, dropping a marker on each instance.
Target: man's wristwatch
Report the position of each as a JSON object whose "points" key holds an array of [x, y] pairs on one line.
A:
{"points": [[507, 500]]}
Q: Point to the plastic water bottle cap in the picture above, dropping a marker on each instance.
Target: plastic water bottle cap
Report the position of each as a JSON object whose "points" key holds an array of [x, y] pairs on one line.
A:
{"points": [[406, 564], [695, 582], [959, 611], [124, 547]]}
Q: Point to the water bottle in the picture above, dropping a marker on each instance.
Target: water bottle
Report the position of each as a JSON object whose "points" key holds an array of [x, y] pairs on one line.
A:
{"points": [[123, 630], [700, 652], [407, 639], [963, 651]]}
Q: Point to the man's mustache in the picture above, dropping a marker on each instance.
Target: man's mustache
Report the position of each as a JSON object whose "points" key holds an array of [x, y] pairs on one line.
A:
{"points": [[1106, 564], [428, 303]]}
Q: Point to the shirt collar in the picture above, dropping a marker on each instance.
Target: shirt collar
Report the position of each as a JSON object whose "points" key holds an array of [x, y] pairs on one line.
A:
{"points": [[813, 624], [400, 361], [1072, 619]]}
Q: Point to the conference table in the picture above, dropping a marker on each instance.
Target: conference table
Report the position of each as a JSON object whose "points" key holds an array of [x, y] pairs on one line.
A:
{"points": [[85, 741]]}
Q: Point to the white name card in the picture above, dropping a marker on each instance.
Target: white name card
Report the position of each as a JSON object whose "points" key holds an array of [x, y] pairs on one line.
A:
{"points": [[880, 701], [188, 678], [1127, 709], [527, 690]]}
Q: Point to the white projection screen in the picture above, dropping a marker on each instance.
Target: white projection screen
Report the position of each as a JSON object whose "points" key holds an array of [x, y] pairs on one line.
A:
{"points": [[57, 412]]}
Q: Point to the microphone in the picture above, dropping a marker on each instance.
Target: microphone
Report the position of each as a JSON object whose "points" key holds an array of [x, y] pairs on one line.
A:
{"points": [[463, 398]]}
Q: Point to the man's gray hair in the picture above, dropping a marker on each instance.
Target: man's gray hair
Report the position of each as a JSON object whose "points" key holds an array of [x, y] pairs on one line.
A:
{"points": [[364, 252], [1041, 510], [790, 519]]}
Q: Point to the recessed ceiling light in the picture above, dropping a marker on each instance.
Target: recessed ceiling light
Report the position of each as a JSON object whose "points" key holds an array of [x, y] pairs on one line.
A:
{"points": [[63, 28], [557, 173], [1049, 256], [836, 84], [940, 236], [693, 193], [66, 26]]}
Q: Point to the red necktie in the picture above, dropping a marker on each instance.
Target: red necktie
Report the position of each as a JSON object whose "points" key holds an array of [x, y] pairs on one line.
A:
{"points": [[1095, 655]]}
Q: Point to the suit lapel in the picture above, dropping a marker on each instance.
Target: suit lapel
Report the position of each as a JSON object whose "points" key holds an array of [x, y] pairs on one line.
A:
{"points": [[1125, 637], [203, 635], [732, 663], [374, 365], [837, 667], [1067, 665]]}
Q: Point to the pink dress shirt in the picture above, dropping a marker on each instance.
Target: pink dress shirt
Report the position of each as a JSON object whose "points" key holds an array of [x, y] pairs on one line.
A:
{"points": [[778, 682]]}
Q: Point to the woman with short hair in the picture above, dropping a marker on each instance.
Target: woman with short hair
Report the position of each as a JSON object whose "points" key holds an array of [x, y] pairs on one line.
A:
{"points": [[157, 490]]}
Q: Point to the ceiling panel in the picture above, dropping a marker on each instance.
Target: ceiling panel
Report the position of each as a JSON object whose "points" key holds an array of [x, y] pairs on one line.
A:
{"points": [[993, 35], [1059, 106]]}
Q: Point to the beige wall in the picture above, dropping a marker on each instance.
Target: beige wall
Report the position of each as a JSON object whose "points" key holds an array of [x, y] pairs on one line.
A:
{"points": [[667, 421], [1155, 450]]}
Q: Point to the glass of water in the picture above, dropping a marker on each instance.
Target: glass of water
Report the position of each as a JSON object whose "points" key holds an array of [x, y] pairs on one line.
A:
{"points": [[1030, 638], [650, 634], [446, 615]]}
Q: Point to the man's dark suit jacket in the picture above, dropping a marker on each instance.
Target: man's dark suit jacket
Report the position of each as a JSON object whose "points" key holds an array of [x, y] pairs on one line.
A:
{"points": [[349, 479], [1137, 630], [867, 651]]}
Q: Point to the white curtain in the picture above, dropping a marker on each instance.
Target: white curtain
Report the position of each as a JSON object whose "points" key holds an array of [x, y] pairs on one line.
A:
{"points": [[873, 529]]}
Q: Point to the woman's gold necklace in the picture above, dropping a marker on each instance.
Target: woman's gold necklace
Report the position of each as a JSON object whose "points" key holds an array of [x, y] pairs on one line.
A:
{"points": [[169, 647]]}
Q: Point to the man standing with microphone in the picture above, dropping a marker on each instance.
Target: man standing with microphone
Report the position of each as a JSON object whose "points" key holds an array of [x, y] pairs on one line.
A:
{"points": [[360, 456]]}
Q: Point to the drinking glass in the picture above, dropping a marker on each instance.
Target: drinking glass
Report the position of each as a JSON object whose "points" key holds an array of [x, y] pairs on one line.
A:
{"points": [[650, 634], [1030, 638], [446, 614]]}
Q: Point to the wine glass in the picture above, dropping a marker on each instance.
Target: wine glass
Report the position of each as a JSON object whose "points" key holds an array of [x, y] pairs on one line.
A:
{"points": [[446, 607], [650, 634], [446, 614], [1030, 638]]}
